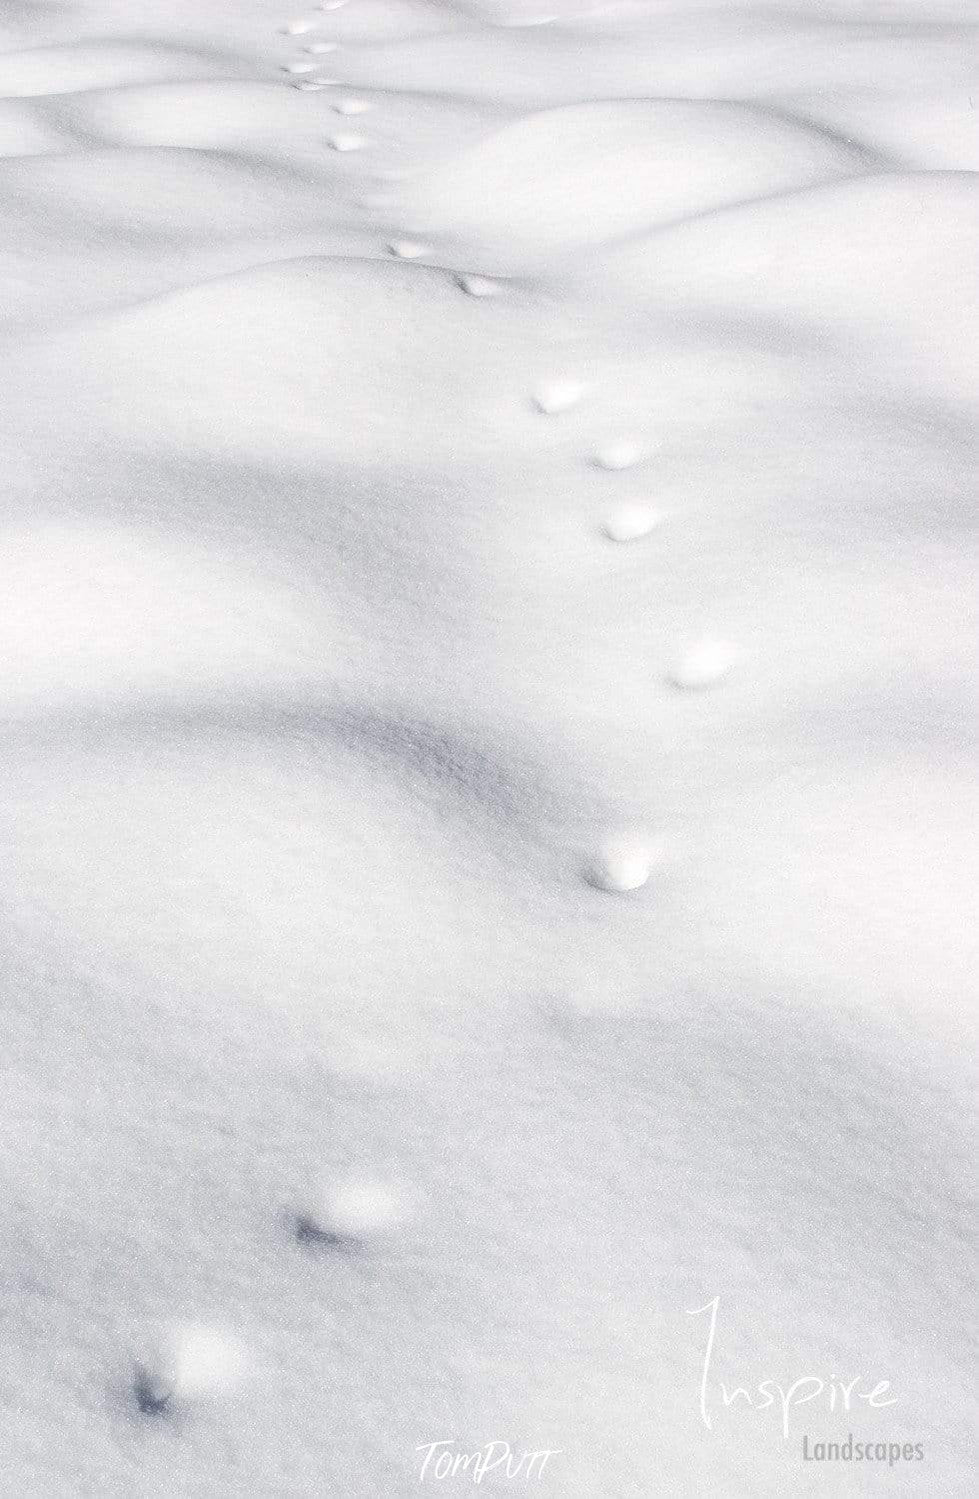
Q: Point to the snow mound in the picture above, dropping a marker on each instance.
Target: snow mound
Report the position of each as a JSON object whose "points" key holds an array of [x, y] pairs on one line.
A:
{"points": [[24, 131], [285, 359], [581, 176], [104, 228], [170, 196], [99, 614], [674, 52], [212, 113], [85, 65], [392, 20], [886, 262], [913, 128]]}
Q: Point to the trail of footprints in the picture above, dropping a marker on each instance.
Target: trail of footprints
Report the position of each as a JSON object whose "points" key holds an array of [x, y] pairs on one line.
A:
{"points": [[704, 663], [190, 1361]]}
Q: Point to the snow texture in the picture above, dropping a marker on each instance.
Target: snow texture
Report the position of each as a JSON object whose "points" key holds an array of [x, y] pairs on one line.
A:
{"points": [[419, 996]]}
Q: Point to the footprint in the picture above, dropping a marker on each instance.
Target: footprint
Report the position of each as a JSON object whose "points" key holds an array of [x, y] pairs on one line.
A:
{"points": [[554, 396], [480, 286], [615, 456], [408, 249], [622, 864], [703, 665], [348, 142], [630, 522], [355, 1213], [187, 1363]]}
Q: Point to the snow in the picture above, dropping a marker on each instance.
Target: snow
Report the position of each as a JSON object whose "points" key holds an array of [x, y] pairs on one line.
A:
{"points": [[479, 286], [347, 141], [560, 180], [360, 1211], [408, 249], [614, 456], [353, 106], [631, 522], [704, 664], [623, 863], [187, 1363], [554, 396], [372, 859]]}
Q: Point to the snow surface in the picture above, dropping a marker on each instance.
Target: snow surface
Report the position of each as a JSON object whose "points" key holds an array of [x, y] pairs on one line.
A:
{"points": [[354, 829]]}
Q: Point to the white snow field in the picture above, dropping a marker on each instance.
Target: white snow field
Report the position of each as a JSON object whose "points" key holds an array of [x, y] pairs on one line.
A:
{"points": [[487, 747]]}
